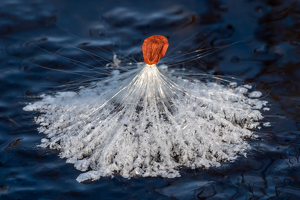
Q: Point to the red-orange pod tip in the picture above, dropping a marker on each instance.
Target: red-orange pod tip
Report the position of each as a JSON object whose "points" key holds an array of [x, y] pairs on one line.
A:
{"points": [[154, 48]]}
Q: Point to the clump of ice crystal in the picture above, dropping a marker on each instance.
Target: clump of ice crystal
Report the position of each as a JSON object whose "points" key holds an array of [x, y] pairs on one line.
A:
{"points": [[147, 122]]}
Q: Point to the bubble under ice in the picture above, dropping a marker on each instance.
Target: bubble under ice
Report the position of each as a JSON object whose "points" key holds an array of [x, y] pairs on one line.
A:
{"points": [[147, 122]]}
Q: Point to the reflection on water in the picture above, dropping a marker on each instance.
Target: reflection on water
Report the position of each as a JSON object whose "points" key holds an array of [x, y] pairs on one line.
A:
{"points": [[268, 59]]}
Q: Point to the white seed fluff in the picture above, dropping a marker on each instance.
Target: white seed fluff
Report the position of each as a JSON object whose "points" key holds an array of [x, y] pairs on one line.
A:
{"points": [[147, 122]]}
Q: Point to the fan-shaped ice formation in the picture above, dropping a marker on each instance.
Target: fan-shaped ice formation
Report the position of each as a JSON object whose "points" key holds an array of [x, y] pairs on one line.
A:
{"points": [[147, 122]]}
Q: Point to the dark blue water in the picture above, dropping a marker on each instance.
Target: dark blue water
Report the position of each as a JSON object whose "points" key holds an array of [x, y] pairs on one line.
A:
{"points": [[267, 57]]}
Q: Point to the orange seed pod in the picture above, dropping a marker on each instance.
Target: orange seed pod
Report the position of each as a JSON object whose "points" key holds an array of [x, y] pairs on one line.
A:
{"points": [[154, 48]]}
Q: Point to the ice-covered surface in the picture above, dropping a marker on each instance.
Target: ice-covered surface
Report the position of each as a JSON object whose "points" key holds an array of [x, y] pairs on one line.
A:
{"points": [[146, 122]]}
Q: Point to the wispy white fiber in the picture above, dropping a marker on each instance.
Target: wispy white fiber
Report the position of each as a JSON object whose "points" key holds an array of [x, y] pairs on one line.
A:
{"points": [[147, 122]]}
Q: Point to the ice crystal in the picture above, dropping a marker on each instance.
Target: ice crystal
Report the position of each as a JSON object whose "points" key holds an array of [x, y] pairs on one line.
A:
{"points": [[147, 122]]}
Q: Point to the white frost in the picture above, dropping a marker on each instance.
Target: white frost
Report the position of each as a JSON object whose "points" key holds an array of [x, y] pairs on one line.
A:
{"points": [[255, 94], [248, 86], [267, 124], [146, 123], [233, 84]]}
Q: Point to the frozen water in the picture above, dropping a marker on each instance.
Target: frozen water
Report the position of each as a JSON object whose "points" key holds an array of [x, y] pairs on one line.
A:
{"points": [[147, 122]]}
